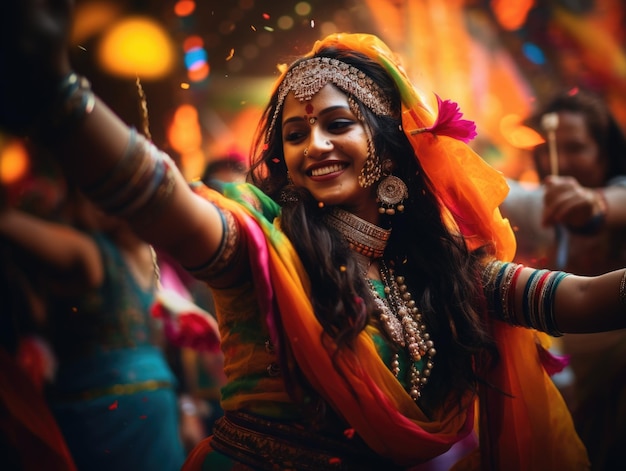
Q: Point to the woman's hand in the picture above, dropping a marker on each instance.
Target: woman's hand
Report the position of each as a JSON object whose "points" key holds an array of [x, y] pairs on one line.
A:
{"points": [[34, 57], [567, 202]]}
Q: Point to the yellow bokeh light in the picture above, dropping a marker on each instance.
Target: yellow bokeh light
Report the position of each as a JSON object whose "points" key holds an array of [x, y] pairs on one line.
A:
{"points": [[285, 22], [303, 8], [137, 46]]}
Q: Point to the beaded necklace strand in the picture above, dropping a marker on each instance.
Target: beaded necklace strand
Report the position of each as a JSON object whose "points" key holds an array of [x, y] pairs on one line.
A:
{"points": [[400, 318]]}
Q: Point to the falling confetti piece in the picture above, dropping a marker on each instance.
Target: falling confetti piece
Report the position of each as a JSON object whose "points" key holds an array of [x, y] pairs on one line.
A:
{"points": [[349, 432], [82, 48], [266, 16], [114, 405], [74, 309], [334, 460], [268, 28], [275, 160], [230, 54], [312, 23], [320, 204], [342, 268], [184, 86], [252, 27]]}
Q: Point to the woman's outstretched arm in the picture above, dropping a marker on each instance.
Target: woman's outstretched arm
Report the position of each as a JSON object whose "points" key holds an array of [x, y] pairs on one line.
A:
{"points": [[553, 301], [41, 98]]}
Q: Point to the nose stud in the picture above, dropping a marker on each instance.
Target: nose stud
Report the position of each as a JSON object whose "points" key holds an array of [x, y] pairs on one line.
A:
{"points": [[306, 149]]}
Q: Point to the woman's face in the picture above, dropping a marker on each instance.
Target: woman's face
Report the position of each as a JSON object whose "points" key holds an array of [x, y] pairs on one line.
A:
{"points": [[336, 144], [578, 152]]}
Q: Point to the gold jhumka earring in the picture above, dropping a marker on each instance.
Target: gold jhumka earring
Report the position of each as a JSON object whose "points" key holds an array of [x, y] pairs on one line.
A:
{"points": [[391, 191]]}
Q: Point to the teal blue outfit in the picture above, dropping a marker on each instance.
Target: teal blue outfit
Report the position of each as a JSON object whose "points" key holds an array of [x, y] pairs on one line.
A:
{"points": [[114, 395]]}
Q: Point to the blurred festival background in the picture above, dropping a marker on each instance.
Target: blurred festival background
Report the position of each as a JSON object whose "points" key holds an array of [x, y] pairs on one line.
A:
{"points": [[207, 67]]}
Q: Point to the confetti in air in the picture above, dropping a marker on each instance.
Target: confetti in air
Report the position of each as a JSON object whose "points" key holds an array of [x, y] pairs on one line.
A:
{"points": [[230, 54], [252, 27], [114, 405]]}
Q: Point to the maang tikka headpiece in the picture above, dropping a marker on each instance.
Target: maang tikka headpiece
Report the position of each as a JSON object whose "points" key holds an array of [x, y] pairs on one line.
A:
{"points": [[310, 75]]}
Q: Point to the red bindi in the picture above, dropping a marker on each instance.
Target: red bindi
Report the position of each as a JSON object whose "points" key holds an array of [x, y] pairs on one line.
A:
{"points": [[309, 108]]}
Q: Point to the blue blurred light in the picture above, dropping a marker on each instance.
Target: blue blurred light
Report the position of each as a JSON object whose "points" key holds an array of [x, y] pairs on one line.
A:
{"points": [[195, 56], [533, 53]]}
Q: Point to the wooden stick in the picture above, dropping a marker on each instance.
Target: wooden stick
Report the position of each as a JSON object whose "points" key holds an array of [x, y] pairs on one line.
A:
{"points": [[549, 122]]}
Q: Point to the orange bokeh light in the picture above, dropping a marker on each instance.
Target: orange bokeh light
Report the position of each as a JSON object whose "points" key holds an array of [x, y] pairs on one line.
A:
{"points": [[511, 15], [518, 135], [192, 42], [199, 73], [14, 162], [184, 7]]}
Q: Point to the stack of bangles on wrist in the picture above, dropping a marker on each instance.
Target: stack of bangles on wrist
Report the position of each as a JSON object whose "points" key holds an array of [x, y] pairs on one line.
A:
{"points": [[139, 184], [73, 101], [499, 282]]}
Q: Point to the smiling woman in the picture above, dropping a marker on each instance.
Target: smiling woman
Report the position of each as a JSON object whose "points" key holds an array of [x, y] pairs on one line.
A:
{"points": [[367, 305], [335, 143]]}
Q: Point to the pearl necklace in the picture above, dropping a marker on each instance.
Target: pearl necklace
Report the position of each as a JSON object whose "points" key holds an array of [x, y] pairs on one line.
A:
{"points": [[399, 314], [402, 322]]}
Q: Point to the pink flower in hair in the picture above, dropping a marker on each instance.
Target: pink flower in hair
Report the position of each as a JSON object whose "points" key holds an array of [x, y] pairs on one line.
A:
{"points": [[449, 122]]}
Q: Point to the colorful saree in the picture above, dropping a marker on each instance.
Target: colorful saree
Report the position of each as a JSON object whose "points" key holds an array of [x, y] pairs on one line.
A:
{"points": [[524, 428]]}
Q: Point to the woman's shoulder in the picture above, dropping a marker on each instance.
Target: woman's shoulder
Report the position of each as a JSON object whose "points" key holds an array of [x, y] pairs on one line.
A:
{"points": [[246, 195]]}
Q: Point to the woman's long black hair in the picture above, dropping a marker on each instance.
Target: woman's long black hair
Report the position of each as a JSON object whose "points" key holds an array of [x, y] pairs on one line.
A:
{"points": [[442, 275]]}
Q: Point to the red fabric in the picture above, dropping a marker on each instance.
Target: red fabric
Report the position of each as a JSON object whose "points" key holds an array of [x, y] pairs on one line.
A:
{"points": [[26, 423], [186, 324]]}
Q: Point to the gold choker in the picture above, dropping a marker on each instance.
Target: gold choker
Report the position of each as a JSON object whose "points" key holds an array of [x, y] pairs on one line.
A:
{"points": [[364, 237]]}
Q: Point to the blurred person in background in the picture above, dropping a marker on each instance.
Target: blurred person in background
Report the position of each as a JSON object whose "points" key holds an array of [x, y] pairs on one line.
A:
{"points": [[113, 394], [30, 438], [576, 221]]}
